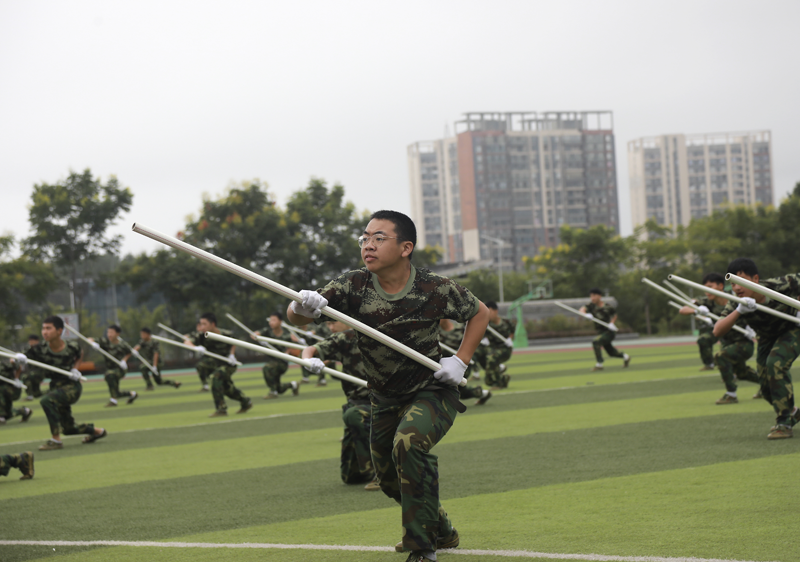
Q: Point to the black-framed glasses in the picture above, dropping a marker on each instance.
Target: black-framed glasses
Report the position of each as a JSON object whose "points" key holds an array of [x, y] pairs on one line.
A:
{"points": [[377, 239]]}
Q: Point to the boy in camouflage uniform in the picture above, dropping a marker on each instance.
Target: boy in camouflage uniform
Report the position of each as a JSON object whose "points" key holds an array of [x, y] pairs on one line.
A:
{"points": [[121, 351], [273, 367], [451, 335], [206, 365], [10, 392], [150, 350], [221, 377], [708, 304], [33, 376], [493, 352], [22, 461], [64, 390], [778, 339], [412, 407], [356, 460], [608, 314]]}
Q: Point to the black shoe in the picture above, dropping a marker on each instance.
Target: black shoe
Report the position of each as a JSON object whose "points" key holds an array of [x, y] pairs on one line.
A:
{"points": [[26, 414], [134, 395], [26, 466]]}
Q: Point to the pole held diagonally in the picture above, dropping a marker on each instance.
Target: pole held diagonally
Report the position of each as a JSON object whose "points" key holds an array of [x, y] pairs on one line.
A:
{"points": [[169, 330], [302, 333], [42, 365], [250, 332], [102, 351], [578, 312], [288, 344], [761, 290], [191, 348]]}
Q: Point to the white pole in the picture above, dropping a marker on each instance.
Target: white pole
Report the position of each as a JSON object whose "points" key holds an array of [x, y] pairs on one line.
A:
{"points": [[578, 312], [734, 298], [171, 331], [142, 359], [677, 291], [703, 318], [297, 331], [42, 365], [285, 357], [191, 348], [13, 382], [282, 343], [495, 332], [755, 287], [100, 349], [246, 329]]}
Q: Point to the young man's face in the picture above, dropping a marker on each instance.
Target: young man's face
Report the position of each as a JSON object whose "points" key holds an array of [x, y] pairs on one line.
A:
{"points": [[713, 285], [145, 336], [742, 292], [111, 334], [337, 326], [376, 255], [595, 298], [49, 333], [203, 326], [274, 322]]}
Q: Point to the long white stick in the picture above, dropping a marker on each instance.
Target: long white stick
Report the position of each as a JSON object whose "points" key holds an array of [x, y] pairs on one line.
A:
{"points": [[578, 312], [42, 365], [191, 348], [142, 359], [285, 357], [284, 291], [303, 333], [677, 291], [282, 343], [13, 382], [246, 329], [760, 289], [495, 332], [708, 321], [100, 349], [733, 298], [171, 331]]}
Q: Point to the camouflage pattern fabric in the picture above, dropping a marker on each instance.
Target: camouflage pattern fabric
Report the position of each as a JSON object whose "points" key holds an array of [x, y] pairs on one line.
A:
{"points": [[731, 361], [33, 378], [343, 347], [496, 353], [117, 350], [57, 406], [774, 359], [410, 317], [766, 325], [9, 393], [603, 341], [113, 376], [453, 339], [714, 308], [273, 367], [356, 458], [603, 313], [7, 462], [206, 366], [403, 433], [222, 386], [115, 373], [148, 350], [65, 359], [706, 343]]}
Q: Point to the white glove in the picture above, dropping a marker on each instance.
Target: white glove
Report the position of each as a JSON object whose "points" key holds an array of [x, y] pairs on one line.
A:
{"points": [[509, 342], [21, 359], [311, 304], [135, 353], [485, 341], [708, 321], [95, 345], [155, 371], [751, 333], [588, 316], [232, 359], [703, 310], [18, 383], [612, 327], [747, 306], [315, 365], [302, 341], [200, 349], [452, 371], [123, 365], [75, 375]]}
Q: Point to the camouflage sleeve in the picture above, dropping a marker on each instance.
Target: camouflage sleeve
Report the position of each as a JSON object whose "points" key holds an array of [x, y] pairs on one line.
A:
{"points": [[329, 348], [461, 304], [730, 307], [156, 347], [590, 308], [703, 301], [126, 346], [35, 353], [336, 292], [611, 311], [788, 284]]}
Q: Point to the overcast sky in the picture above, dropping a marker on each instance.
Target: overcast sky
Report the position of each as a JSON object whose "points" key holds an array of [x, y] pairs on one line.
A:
{"points": [[179, 98]]}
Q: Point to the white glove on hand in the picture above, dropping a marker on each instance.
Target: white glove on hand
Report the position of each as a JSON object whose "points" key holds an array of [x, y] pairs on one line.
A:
{"points": [[703, 310], [232, 359], [452, 371], [485, 341], [588, 315], [302, 341], [21, 359], [316, 365], [708, 321], [95, 345], [747, 306], [311, 304], [751, 333], [612, 327], [135, 353], [200, 349], [74, 375], [18, 383], [155, 371], [509, 342], [123, 365]]}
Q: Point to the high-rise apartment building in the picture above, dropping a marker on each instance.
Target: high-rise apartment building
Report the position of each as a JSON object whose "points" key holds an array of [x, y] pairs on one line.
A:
{"points": [[515, 178], [675, 178]]}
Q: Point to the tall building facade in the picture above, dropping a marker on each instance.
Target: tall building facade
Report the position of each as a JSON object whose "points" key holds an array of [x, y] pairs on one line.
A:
{"points": [[675, 178], [504, 184]]}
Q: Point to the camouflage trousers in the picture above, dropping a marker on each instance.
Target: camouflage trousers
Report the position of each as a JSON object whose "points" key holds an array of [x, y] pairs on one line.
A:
{"points": [[33, 380], [603, 341], [113, 376], [706, 343], [7, 462], [222, 386], [774, 358], [470, 391], [57, 406], [356, 465], [403, 434], [272, 371], [490, 358], [8, 394], [731, 361], [205, 369], [147, 373]]}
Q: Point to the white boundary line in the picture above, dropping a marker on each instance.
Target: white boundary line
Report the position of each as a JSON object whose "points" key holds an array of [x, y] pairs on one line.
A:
{"points": [[268, 546]]}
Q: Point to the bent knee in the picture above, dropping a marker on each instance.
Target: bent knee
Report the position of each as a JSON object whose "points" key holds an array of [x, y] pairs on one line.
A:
{"points": [[407, 442]]}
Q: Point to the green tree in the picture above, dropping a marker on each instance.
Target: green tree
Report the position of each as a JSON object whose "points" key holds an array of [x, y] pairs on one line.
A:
{"points": [[69, 220]]}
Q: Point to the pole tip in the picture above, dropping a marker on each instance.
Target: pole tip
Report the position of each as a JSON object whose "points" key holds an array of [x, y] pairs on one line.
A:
{"points": [[133, 227], [728, 276]]}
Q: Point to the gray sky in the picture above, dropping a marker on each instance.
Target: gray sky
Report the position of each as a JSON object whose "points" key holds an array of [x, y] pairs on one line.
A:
{"points": [[180, 98]]}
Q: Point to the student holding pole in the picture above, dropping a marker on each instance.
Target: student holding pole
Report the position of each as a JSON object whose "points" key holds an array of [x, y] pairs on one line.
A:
{"points": [[33, 376], [496, 348], [150, 350], [118, 351], [713, 304], [10, 390], [607, 314], [274, 368]]}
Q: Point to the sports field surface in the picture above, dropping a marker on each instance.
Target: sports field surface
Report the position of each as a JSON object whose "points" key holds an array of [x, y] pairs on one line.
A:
{"points": [[633, 464]]}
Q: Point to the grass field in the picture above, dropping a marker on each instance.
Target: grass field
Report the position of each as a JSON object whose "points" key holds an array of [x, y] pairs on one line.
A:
{"points": [[627, 464]]}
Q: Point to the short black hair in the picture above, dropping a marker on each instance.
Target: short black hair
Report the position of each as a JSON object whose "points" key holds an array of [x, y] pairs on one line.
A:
{"points": [[33, 337], [595, 291], [146, 330], [713, 278], [491, 304], [278, 314], [210, 316], [116, 328], [743, 265], [403, 226], [56, 321]]}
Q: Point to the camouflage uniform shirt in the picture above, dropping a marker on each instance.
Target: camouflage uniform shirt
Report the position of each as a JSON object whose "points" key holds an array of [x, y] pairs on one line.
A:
{"points": [[343, 347], [603, 313], [286, 336], [148, 350], [453, 337], [213, 346], [410, 317], [505, 328], [766, 325], [65, 359], [714, 308], [116, 350]]}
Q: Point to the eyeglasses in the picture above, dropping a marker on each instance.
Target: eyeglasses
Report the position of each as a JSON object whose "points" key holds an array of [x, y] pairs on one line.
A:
{"points": [[377, 239]]}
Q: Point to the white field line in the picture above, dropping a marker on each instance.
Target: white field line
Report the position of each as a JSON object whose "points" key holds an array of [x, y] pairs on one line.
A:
{"points": [[268, 546]]}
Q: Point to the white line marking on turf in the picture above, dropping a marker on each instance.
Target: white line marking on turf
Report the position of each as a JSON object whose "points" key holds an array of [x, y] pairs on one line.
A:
{"points": [[266, 546]]}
